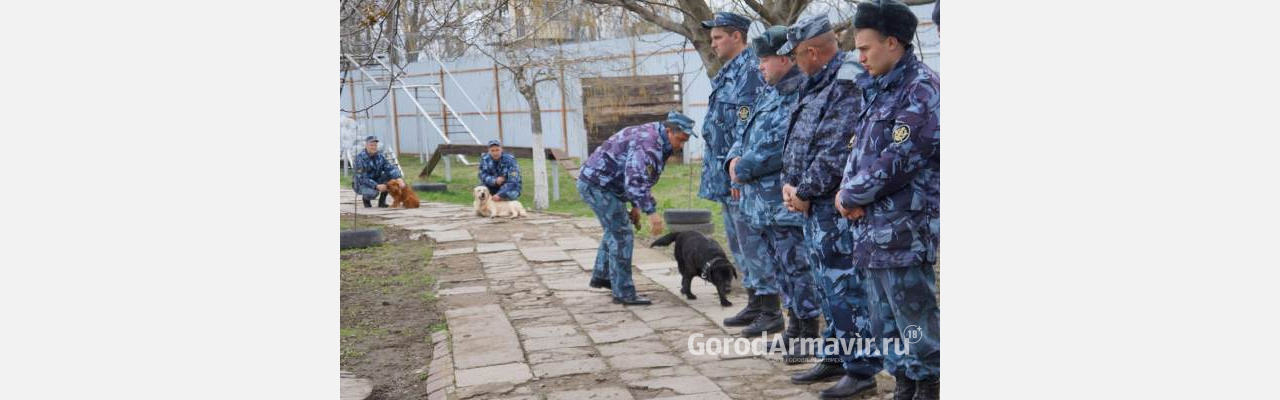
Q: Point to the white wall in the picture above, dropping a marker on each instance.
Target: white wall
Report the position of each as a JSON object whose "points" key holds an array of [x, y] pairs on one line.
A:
{"points": [[480, 86]]}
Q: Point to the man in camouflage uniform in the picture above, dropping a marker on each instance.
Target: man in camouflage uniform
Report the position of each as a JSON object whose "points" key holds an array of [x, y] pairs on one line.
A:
{"points": [[500, 173], [733, 92], [755, 163], [813, 157], [372, 172], [891, 193], [624, 169]]}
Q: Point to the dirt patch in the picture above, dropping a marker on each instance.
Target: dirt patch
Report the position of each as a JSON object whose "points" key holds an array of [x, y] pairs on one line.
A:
{"points": [[388, 313]]}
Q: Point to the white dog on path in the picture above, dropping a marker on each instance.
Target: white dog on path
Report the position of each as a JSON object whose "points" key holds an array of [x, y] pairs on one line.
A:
{"points": [[486, 207]]}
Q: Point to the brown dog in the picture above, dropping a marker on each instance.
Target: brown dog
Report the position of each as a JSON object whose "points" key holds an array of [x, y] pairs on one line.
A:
{"points": [[402, 196]]}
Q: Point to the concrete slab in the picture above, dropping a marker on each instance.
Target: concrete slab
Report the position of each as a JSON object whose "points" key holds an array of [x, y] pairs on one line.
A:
{"points": [[604, 393], [482, 336], [570, 367], [513, 372], [679, 384], [456, 235], [577, 243], [545, 254], [494, 247]]}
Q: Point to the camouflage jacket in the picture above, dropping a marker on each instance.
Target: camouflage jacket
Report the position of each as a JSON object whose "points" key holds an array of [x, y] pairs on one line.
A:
{"points": [[733, 94], [630, 163], [506, 166], [893, 171], [373, 170], [818, 140], [760, 150]]}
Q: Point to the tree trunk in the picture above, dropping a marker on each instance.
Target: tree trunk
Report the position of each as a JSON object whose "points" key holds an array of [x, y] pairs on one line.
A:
{"points": [[530, 93]]}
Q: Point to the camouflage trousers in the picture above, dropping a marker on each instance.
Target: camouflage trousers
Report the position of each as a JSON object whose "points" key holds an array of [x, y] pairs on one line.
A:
{"points": [[733, 220], [785, 250], [613, 259], [904, 305], [370, 192], [759, 270], [841, 293]]}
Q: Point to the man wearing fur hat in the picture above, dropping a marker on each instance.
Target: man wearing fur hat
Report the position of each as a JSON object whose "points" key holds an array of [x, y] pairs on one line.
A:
{"points": [[890, 192]]}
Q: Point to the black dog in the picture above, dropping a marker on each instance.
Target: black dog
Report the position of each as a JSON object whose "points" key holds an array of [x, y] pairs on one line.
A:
{"points": [[700, 256]]}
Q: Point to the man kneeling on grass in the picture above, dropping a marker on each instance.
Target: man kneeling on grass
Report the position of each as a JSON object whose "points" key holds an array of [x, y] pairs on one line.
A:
{"points": [[373, 172], [500, 173]]}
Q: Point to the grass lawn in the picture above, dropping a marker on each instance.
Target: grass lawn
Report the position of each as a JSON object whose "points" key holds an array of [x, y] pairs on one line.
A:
{"points": [[673, 190], [388, 311]]}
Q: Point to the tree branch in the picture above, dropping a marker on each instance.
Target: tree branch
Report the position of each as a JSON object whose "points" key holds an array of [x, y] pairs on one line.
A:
{"points": [[765, 13], [647, 14]]}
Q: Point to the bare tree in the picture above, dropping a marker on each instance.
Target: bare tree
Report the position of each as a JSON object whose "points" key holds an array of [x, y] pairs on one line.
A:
{"points": [[528, 46], [683, 17]]}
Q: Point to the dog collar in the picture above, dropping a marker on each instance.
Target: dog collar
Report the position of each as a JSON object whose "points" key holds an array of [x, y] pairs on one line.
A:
{"points": [[706, 269]]}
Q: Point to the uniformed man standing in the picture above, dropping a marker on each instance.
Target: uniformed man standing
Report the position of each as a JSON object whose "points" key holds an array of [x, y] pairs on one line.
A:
{"points": [[623, 170], [500, 172], [755, 163], [733, 92], [813, 158], [891, 193], [373, 170]]}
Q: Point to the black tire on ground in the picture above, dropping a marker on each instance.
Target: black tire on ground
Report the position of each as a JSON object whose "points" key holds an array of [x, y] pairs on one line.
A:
{"points": [[686, 216], [430, 187], [705, 228], [360, 238]]}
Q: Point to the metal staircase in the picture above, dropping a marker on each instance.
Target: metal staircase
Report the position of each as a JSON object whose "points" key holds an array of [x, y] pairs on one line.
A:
{"points": [[428, 99]]}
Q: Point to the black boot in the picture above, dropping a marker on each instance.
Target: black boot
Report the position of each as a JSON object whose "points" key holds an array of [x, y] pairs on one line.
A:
{"points": [[793, 331], [382, 200], [904, 387], [634, 300], [927, 389], [770, 319], [366, 203], [600, 283], [748, 313], [821, 372], [808, 330], [848, 386], [793, 328]]}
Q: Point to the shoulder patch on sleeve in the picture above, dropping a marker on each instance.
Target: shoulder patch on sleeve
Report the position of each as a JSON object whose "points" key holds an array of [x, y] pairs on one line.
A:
{"points": [[744, 112], [901, 133]]}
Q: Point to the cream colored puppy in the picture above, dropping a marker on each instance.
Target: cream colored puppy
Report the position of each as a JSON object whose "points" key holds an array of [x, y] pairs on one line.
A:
{"points": [[486, 207]]}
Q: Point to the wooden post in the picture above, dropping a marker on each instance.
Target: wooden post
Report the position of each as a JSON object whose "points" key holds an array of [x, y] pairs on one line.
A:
{"points": [[564, 114], [352, 91], [395, 121], [497, 94], [555, 180], [444, 118], [634, 65]]}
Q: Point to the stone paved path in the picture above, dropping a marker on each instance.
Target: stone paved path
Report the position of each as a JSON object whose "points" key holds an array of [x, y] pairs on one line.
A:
{"points": [[524, 325]]}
